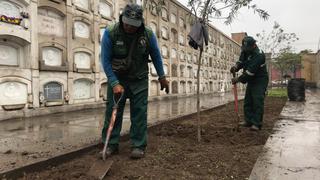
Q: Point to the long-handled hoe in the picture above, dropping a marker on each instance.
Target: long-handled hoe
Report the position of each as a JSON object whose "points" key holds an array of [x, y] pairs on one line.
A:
{"points": [[101, 167]]}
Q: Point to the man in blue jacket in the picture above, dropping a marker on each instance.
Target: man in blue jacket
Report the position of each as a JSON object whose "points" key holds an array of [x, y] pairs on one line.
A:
{"points": [[125, 49], [253, 62]]}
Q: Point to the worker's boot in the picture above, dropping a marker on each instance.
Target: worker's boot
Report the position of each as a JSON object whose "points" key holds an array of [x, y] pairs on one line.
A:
{"points": [[111, 151], [255, 128], [245, 124], [137, 153]]}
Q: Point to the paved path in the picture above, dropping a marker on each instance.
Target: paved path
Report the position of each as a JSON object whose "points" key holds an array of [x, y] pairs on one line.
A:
{"points": [[27, 140], [293, 151]]}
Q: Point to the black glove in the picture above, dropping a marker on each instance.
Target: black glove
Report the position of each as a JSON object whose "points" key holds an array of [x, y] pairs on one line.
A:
{"points": [[164, 84], [235, 80], [234, 69]]}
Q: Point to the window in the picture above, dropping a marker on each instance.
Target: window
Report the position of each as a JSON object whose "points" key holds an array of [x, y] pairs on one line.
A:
{"points": [[81, 29], [105, 9]]}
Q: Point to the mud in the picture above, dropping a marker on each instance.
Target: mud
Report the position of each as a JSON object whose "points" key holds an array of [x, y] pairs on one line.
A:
{"points": [[174, 153]]}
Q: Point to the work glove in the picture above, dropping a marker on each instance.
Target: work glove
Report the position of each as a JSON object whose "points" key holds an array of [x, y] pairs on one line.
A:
{"points": [[118, 89], [235, 80], [164, 84], [234, 69]]}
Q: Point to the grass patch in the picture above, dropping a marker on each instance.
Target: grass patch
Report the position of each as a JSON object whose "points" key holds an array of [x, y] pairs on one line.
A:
{"points": [[278, 92]]}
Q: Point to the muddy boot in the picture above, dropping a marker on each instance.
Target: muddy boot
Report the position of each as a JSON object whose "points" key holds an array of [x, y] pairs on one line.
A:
{"points": [[109, 152], [255, 128], [245, 124], [137, 153]]}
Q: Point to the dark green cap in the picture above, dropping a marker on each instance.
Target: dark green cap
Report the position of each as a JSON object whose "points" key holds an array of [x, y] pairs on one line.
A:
{"points": [[132, 15], [248, 41]]}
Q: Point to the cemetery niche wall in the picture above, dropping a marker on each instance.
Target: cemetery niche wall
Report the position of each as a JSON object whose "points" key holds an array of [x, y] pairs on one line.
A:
{"points": [[55, 60]]}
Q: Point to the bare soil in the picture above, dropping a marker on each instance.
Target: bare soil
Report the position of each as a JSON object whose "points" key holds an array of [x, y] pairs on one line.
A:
{"points": [[174, 153]]}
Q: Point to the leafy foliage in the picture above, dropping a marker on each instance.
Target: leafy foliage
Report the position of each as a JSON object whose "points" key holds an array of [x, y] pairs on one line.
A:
{"points": [[276, 40], [223, 9]]}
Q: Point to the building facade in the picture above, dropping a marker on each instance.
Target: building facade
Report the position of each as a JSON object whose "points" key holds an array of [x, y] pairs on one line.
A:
{"points": [[310, 69], [50, 53]]}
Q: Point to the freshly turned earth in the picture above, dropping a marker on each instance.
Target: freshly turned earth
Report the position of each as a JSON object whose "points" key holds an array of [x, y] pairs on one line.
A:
{"points": [[174, 153]]}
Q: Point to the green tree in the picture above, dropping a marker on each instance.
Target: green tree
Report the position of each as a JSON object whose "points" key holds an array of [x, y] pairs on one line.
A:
{"points": [[205, 10], [287, 62]]}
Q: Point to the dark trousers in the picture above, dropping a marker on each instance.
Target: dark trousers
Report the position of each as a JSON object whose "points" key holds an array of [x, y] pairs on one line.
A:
{"points": [[254, 102], [138, 115]]}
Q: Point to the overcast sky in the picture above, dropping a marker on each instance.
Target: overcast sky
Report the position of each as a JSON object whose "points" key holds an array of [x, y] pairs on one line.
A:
{"points": [[294, 16]]}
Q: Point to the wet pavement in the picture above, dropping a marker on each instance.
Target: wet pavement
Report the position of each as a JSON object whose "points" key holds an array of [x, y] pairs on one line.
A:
{"points": [[293, 151], [28, 140]]}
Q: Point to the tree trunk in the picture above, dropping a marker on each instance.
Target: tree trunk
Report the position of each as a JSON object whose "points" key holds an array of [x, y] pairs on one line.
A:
{"points": [[198, 97]]}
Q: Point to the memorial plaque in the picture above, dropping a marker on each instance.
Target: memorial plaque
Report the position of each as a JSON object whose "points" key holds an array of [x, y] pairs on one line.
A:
{"points": [[104, 90], [173, 53], [153, 70], [102, 32], [82, 60], [84, 4], [165, 68], [181, 22], [154, 88], [164, 51], [153, 26], [164, 32], [8, 55], [82, 89], [81, 29], [52, 91], [173, 18], [105, 9], [12, 93], [181, 39], [52, 56], [50, 23], [9, 9], [164, 13], [181, 56]]}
